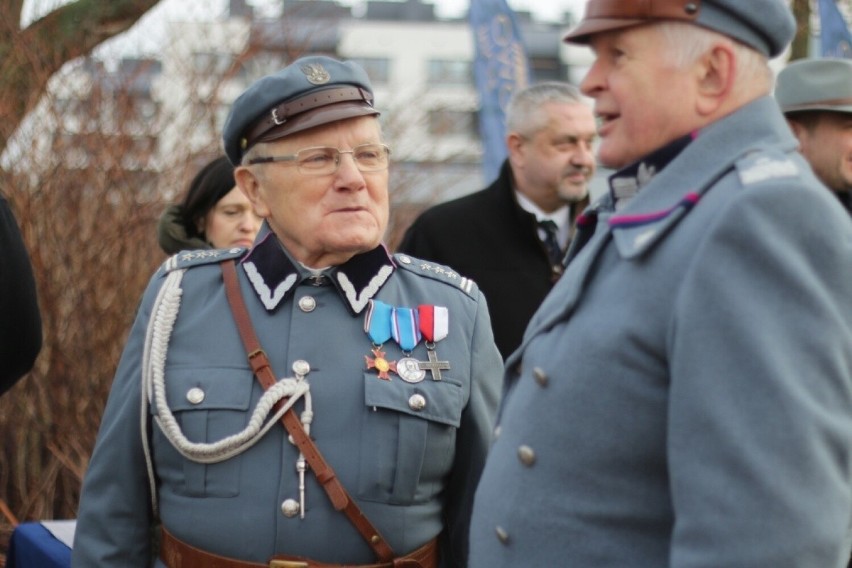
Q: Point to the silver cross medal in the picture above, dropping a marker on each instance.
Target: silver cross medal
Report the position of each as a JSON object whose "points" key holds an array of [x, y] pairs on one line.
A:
{"points": [[433, 365]]}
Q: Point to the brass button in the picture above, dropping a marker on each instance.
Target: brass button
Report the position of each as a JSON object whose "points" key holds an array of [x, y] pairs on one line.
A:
{"points": [[502, 535], [540, 377], [526, 455], [307, 304], [417, 402], [290, 508], [195, 395]]}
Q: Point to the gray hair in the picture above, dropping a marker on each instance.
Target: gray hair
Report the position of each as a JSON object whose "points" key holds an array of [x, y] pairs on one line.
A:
{"points": [[686, 43], [523, 113]]}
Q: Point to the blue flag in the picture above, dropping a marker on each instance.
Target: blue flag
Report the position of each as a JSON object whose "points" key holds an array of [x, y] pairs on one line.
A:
{"points": [[835, 37], [500, 68]]}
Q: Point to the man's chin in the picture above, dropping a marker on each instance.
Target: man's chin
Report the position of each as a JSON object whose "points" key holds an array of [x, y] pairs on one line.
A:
{"points": [[574, 193]]}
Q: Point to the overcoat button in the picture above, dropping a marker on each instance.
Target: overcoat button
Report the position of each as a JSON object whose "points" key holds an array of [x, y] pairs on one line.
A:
{"points": [[405, 259], [502, 535], [195, 395], [497, 430], [526, 455], [307, 304], [290, 508], [540, 377], [301, 367], [417, 402]]}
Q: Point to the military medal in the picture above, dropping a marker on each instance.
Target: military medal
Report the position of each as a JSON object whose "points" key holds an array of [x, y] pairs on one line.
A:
{"points": [[406, 332], [408, 369], [379, 363], [377, 325], [434, 325]]}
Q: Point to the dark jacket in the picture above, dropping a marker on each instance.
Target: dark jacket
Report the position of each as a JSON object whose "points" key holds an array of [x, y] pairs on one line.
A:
{"points": [[20, 331], [488, 237]]}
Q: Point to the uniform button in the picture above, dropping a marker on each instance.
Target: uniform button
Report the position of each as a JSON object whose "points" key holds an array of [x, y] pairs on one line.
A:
{"points": [[417, 402], [301, 367], [195, 395], [307, 304], [526, 455], [290, 508], [497, 430], [405, 259], [502, 535], [540, 377]]}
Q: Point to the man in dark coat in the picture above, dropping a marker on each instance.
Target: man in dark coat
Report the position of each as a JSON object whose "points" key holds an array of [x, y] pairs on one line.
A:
{"points": [[498, 236], [20, 332]]}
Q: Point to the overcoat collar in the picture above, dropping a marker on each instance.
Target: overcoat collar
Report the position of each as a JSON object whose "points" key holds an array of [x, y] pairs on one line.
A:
{"points": [[675, 189], [666, 198], [274, 275]]}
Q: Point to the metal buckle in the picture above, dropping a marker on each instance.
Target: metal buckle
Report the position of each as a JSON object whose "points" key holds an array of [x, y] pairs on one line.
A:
{"points": [[287, 564]]}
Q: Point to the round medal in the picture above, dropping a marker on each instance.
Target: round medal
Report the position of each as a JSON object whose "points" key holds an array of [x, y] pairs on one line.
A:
{"points": [[409, 370]]}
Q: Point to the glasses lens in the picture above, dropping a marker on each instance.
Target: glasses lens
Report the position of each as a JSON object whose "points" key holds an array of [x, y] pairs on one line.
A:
{"points": [[318, 160], [371, 157]]}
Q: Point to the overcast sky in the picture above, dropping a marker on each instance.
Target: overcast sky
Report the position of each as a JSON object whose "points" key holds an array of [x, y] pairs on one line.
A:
{"points": [[145, 36], [544, 9]]}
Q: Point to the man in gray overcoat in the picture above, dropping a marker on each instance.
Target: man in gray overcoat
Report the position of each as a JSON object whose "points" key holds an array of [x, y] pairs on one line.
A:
{"points": [[683, 396], [382, 367]]}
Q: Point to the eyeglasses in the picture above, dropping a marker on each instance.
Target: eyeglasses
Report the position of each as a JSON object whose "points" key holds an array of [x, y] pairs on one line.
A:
{"points": [[323, 160]]}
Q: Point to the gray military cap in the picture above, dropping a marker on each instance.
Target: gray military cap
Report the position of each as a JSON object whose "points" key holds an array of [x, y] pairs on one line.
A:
{"points": [[311, 91], [766, 25], [815, 84]]}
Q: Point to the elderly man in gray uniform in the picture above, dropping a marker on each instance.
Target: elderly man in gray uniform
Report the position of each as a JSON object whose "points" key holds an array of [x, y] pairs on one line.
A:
{"points": [[683, 397], [382, 368], [816, 97]]}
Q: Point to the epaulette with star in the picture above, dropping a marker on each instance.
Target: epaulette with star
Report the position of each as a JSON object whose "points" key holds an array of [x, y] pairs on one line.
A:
{"points": [[438, 272], [190, 258]]}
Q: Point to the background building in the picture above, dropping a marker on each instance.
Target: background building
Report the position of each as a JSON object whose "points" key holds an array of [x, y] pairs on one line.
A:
{"points": [[421, 68]]}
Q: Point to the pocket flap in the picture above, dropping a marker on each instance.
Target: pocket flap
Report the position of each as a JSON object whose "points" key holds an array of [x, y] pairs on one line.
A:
{"points": [[210, 388], [436, 401]]}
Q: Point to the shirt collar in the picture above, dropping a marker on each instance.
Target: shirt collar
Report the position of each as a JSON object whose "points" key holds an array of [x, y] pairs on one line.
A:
{"points": [[561, 216], [274, 275]]}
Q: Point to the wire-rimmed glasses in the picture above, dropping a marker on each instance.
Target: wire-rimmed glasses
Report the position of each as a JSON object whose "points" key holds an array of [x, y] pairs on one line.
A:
{"points": [[324, 160]]}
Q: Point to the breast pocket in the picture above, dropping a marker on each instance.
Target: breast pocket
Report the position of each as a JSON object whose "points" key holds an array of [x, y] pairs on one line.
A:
{"points": [[209, 404], [409, 438]]}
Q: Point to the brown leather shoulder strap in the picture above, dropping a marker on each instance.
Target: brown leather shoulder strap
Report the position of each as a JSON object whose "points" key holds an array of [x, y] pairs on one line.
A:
{"points": [[259, 362]]}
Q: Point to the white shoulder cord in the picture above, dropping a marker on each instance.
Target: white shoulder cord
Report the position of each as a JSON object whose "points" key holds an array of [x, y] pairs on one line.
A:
{"points": [[160, 327]]}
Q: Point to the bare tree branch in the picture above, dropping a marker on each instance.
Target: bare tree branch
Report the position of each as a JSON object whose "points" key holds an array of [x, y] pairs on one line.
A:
{"points": [[30, 56]]}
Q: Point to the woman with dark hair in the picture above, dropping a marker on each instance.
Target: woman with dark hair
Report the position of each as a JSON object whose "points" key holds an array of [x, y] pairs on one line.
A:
{"points": [[213, 214]]}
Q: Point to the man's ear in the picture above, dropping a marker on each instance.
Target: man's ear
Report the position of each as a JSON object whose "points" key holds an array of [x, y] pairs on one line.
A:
{"points": [[249, 184], [715, 74], [514, 147], [800, 131]]}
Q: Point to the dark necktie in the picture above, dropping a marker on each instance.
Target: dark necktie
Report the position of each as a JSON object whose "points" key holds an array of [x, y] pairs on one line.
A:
{"points": [[551, 242]]}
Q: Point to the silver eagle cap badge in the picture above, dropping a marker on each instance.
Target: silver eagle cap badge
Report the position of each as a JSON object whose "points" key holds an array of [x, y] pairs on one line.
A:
{"points": [[315, 73]]}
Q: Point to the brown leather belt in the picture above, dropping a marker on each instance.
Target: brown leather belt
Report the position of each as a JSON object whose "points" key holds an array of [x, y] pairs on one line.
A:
{"points": [[178, 554]]}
